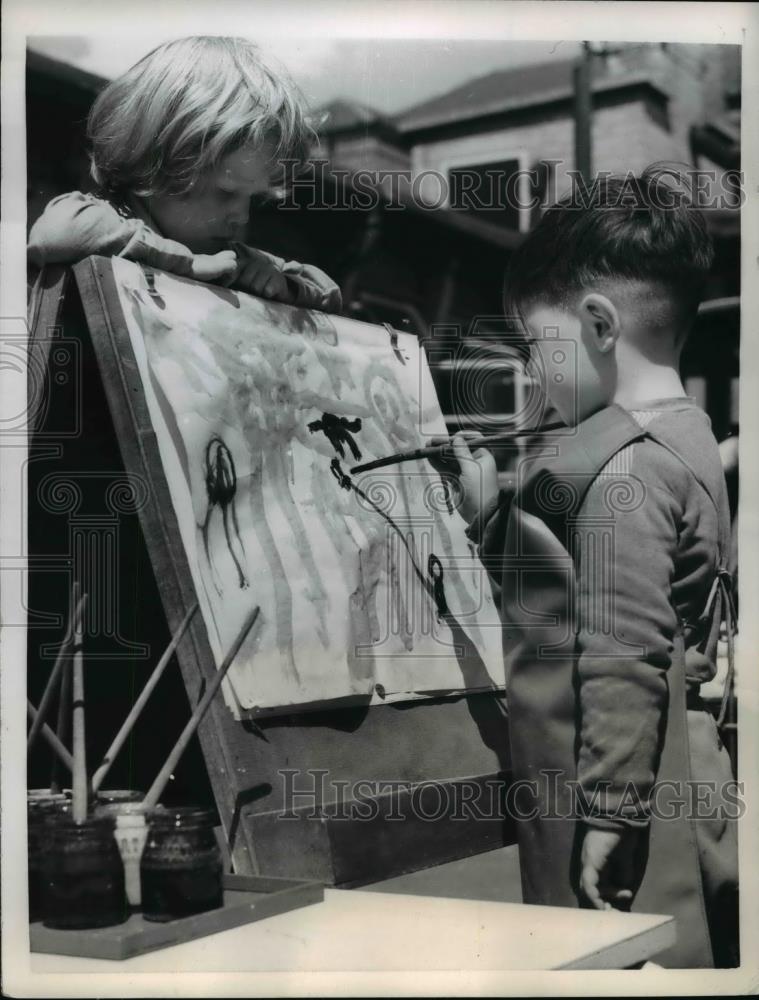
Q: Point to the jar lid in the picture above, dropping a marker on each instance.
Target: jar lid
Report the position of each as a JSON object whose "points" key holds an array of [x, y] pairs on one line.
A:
{"points": [[35, 795], [115, 796], [182, 817], [48, 807]]}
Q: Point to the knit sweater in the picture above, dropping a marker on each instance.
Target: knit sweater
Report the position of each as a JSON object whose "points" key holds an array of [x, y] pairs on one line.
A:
{"points": [[633, 601], [75, 225]]}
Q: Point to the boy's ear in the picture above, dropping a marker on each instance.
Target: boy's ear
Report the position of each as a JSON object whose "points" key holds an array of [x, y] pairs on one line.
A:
{"points": [[600, 321]]}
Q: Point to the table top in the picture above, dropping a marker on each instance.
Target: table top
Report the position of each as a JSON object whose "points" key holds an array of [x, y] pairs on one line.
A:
{"points": [[361, 931]]}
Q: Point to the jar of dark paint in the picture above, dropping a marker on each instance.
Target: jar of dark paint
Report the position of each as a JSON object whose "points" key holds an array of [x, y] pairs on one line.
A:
{"points": [[181, 868], [83, 876], [43, 807]]}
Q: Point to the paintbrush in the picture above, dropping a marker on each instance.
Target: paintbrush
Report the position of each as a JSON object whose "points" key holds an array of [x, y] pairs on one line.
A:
{"points": [[128, 724], [78, 748], [154, 792], [440, 448]]}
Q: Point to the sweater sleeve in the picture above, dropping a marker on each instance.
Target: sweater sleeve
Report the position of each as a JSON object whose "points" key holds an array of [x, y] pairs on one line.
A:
{"points": [[312, 288], [308, 287], [626, 628], [75, 225]]}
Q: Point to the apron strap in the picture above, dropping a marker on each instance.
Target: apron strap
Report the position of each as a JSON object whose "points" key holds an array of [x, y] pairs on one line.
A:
{"points": [[720, 593]]}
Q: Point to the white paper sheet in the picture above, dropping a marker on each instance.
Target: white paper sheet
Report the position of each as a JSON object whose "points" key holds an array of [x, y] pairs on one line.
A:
{"points": [[252, 404]]}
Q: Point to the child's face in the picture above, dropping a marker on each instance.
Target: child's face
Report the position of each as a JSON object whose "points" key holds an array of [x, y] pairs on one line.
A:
{"points": [[215, 212], [574, 376]]}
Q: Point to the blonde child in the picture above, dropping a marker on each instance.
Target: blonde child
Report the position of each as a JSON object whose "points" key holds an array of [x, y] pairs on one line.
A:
{"points": [[180, 144]]}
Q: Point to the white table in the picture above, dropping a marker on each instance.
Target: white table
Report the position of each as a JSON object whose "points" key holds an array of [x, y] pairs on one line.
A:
{"points": [[359, 931]]}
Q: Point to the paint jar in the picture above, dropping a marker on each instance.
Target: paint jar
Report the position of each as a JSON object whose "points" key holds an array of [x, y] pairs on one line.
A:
{"points": [[181, 870], [130, 832], [83, 876], [109, 800], [42, 808], [34, 795]]}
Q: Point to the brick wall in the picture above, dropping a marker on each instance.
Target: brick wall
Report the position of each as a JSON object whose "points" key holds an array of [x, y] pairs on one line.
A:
{"points": [[625, 137]]}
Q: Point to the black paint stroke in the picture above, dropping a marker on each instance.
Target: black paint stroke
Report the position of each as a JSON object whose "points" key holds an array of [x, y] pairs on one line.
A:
{"points": [[346, 483], [394, 342], [221, 487], [153, 292], [337, 431], [489, 714], [435, 569]]}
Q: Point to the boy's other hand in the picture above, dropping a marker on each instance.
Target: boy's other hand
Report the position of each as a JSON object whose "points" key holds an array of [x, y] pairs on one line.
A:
{"points": [[214, 266], [478, 478], [610, 867]]}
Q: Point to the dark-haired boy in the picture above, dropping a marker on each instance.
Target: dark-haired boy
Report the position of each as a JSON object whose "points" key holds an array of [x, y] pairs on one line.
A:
{"points": [[612, 581]]}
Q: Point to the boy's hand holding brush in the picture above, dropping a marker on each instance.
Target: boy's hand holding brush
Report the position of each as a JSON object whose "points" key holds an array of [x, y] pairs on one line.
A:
{"points": [[476, 474]]}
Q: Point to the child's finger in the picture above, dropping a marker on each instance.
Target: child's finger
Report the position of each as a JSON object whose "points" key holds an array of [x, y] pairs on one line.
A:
{"points": [[229, 275], [589, 882], [460, 447], [274, 286], [225, 267], [256, 278], [623, 899]]}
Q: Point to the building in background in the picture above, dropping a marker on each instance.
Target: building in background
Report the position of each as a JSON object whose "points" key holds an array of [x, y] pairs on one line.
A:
{"points": [[429, 255], [509, 138]]}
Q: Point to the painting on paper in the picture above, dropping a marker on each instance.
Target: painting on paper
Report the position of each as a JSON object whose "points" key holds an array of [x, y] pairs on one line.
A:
{"points": [[368, 587]]}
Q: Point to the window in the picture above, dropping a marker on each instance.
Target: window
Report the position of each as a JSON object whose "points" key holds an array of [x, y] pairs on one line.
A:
{"points": [[493, 191]]}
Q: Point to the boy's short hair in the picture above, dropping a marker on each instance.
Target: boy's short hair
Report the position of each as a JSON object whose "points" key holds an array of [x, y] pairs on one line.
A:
{"points": [[185, 105], [620, 228]]}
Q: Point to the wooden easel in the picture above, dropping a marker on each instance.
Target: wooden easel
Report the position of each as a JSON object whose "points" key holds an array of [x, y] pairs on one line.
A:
{"points": [[447, 749]]}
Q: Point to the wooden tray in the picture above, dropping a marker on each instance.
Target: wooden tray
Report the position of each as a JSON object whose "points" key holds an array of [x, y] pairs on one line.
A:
{"points": [[246, 898]]}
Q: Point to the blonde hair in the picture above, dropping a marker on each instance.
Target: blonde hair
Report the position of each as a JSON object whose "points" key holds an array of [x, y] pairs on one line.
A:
{"points": [[185, 105]]}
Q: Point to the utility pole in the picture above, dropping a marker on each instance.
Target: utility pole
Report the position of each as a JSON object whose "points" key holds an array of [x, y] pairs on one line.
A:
{"points": [[583, 108]]}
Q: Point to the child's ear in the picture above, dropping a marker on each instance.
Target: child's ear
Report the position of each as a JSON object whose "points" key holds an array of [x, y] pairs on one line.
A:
{"points": [[600, 321]]}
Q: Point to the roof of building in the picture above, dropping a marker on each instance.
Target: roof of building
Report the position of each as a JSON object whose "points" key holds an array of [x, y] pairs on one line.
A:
{"points": [[41, 67], [511, 89], [493, 89], [495, 93], [342, 114]]}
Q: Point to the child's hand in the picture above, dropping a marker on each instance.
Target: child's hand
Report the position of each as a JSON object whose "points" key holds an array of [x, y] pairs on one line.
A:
{"points": [[610, 867], [478, 479], [313, 288], [214, 266], [259, 275]]}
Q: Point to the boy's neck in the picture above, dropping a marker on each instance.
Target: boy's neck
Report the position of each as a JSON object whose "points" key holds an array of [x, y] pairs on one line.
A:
{"points": [[647, 379]]}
